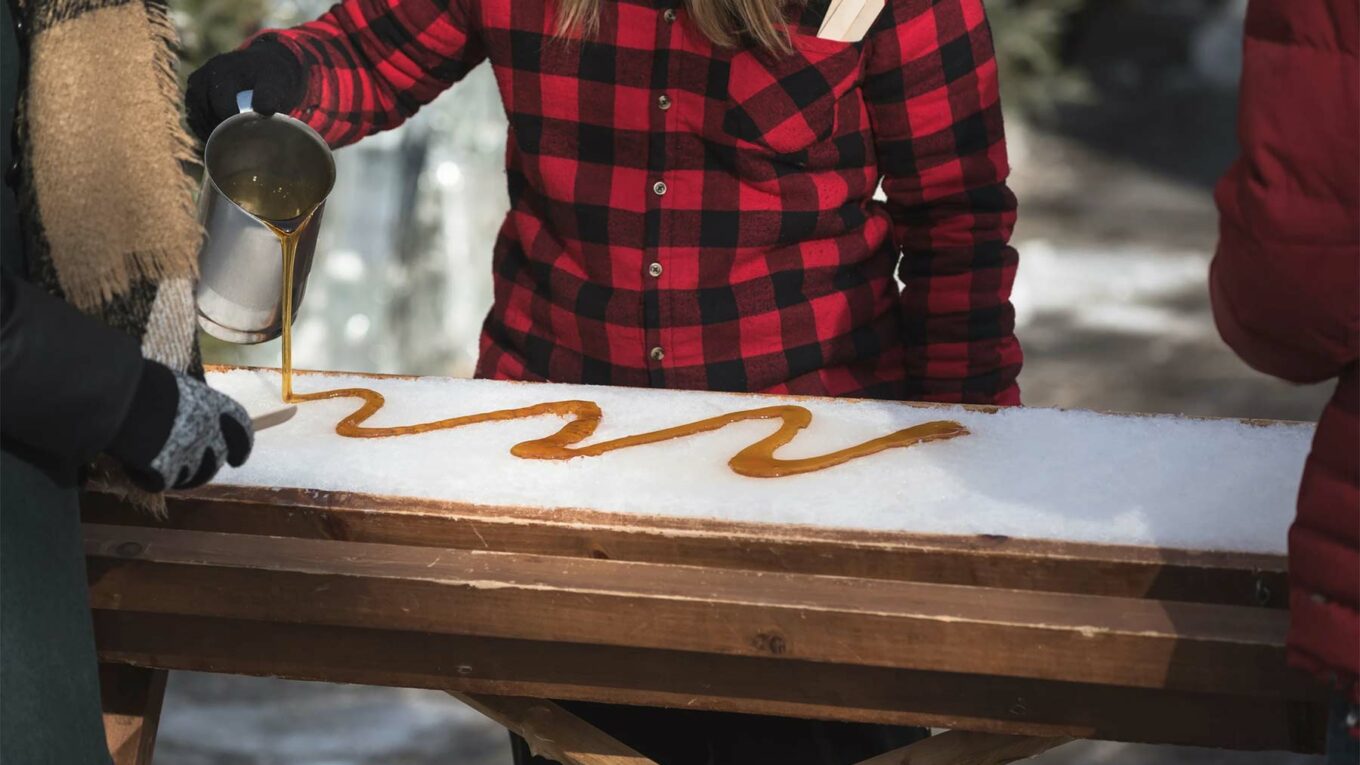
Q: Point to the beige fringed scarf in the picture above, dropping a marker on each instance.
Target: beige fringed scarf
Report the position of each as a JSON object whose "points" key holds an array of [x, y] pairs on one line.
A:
{"points": [[108, 208]]}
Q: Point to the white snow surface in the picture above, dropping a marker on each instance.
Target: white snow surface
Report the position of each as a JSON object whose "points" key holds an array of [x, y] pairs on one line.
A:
{"points": [[1157, 481]]}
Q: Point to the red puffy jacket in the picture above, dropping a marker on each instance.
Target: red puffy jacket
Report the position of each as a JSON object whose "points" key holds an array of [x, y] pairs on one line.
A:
{"points": [[1286, 283]]}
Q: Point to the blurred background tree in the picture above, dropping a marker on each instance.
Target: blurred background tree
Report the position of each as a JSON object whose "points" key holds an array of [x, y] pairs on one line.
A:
{"points": [[1031, 37], [209, 27]]}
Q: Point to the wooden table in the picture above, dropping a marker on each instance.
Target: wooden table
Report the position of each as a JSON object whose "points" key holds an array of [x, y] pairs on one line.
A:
{"points": [[983, 634]]}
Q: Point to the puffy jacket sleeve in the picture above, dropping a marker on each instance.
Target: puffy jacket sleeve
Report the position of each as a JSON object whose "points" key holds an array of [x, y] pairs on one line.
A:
{"points": [[66, 380], [1286, 278]]}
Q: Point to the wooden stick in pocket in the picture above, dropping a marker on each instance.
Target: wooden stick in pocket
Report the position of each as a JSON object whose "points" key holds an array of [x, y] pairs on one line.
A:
{"points": [[863, 20], [838, 18], [831, 10], [849, 20]]}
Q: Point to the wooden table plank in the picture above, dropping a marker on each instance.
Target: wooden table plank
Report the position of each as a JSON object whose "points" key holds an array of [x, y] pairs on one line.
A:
{"points": [[706, 681], [1052, 636], [1228, 578], [982, 634]]}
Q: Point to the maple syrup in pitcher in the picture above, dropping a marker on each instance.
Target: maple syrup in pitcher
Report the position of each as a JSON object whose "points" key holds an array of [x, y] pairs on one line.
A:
{"points": [[264, 177], [273, 199]]}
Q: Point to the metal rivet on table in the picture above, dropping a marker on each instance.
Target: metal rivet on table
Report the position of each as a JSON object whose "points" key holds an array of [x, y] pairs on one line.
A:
{"points": [[659, 187], [657, 354], [663, 102], [669, 15], [654, 269]]}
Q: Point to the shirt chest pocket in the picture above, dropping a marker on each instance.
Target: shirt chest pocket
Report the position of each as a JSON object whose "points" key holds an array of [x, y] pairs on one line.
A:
{"points": [[787, 102]]}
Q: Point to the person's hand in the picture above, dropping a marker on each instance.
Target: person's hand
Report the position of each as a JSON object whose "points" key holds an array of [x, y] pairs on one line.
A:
{"points": [[265, 66], [178, 432]]}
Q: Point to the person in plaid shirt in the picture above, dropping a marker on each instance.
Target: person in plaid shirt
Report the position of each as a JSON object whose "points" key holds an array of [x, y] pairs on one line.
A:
{"points": [[692, 188]]}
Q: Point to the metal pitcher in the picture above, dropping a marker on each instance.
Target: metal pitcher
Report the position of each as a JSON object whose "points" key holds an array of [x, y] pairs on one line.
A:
{"points": [[240, 286]]}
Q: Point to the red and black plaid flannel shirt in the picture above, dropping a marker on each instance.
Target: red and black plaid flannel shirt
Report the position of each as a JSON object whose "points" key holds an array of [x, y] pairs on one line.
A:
{"points": [[689, 216]]}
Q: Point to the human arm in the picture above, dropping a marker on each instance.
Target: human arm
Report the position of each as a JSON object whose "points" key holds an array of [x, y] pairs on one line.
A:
{"points": [[66, 381], [933, 99], [363, 67], [71, 387]]}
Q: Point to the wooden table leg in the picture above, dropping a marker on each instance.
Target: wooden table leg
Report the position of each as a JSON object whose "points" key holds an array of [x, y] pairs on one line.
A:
{"points": [[958, 747], [132, 699], [553, 732]]}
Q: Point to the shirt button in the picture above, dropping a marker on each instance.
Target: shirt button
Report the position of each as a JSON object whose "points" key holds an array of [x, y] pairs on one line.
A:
{"points": [[659, 187], [654, 269], [669, 15], [663, 102], [657, 354]]}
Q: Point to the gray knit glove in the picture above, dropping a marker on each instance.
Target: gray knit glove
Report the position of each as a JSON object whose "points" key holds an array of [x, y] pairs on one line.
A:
{"points": [[178, 431]]}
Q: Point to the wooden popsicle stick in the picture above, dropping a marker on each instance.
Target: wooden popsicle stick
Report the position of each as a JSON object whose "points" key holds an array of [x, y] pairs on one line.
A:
{"points": [[839, 19], [553, 732], [865, 19], [830, 12], [275, 417]]}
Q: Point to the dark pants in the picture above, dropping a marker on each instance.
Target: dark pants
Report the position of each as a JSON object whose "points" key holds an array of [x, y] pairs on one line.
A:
{"points": [[49, 676], [687, 737], [1342, 748]]}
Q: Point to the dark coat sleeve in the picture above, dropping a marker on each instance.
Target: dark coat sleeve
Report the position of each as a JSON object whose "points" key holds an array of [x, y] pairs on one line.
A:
{"points": [[66, 380], [1286, 275]]}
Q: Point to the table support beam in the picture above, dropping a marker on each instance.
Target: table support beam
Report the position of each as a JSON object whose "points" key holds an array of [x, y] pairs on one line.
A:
{"points": [[131, 699], [553, 732], [958, 747]]}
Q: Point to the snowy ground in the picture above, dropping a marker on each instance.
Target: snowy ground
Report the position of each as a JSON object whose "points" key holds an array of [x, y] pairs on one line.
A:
{"points": [[223, 720]]}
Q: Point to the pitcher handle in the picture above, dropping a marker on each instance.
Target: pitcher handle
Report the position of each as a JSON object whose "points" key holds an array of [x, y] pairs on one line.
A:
{"points": [[244, 99]]}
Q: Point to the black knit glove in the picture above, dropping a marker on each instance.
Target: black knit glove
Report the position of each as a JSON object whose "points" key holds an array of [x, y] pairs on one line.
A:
{"points": [[178, 431], [265, 66]]}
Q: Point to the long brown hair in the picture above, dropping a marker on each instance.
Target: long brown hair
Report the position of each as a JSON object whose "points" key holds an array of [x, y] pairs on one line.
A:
{"points": [[724, 22]]}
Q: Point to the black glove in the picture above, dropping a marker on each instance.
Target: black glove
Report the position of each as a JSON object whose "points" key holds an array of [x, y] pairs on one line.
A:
{"points": [[178, 431], [265, 66]]}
